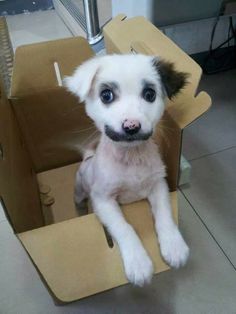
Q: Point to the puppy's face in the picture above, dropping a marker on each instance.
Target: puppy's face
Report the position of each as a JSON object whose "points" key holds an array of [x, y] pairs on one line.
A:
{"points": [[124, 94]]}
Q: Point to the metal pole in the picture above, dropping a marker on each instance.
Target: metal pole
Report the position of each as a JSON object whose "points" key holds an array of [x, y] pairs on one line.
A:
{"points": [[94, 33]]}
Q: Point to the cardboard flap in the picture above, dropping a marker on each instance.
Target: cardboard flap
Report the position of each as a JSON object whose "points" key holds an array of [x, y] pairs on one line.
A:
{"points": [[187, 109], [18, 184], [53, 123], [141, 47], [74, 257], [124, 35], [34, 64], [50, 118]]}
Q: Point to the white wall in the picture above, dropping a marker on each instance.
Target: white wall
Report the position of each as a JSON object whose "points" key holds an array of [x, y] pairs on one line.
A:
{"points": [[194, 37], [132, 7]]}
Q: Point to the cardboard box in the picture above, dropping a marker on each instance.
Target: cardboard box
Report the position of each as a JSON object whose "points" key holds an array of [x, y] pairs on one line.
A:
{"points": [[40, 124]]}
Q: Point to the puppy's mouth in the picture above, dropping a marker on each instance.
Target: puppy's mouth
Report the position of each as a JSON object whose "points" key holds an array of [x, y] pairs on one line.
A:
{"points": [[123, 137]]}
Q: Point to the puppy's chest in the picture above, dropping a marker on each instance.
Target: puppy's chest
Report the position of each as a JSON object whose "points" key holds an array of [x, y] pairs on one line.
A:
{"points": [[135, 177], [132, 183], [131, 177]]}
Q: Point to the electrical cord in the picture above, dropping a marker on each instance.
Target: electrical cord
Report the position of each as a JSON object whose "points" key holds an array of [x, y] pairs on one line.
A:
{"points": [[218, 59]]}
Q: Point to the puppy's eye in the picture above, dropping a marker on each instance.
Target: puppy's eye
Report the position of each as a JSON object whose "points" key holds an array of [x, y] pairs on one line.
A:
{"points": [[149, 94], [107, 96]]}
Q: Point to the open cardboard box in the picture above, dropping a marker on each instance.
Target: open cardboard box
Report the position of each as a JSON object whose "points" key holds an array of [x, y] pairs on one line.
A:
{"points": [[40, 124]]}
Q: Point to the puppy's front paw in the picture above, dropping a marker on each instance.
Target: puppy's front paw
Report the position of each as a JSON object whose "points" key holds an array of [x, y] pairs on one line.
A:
{"points": [[138, 266], [173, 248]]}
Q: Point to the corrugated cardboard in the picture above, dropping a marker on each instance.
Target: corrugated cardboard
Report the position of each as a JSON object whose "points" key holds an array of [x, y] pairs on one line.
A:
{"points": [[61, 183], [37, 130], [18, 184], [50, 118]]}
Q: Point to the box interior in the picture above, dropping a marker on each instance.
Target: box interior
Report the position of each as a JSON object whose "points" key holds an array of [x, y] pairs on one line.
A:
{"points": [[41, 124], [56, 188]]}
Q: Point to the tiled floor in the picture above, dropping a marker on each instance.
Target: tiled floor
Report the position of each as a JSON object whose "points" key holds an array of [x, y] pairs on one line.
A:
{"points": [[216, 130], [36, 27], [2, 214], [210, 145], [207, 219]]}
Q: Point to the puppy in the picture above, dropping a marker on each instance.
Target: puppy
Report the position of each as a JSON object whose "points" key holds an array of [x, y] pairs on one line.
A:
{"points": [[125, 96]]}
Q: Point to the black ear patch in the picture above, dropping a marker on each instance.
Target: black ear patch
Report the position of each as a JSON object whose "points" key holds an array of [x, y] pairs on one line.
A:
{"points": [[172, 80]]}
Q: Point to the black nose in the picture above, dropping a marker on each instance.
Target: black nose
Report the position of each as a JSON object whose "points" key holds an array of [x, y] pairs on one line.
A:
{"points": [[131, 128]]}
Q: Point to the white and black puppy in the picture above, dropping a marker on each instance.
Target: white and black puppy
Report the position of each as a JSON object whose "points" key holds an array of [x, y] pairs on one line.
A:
{"points": [[125, 96]]}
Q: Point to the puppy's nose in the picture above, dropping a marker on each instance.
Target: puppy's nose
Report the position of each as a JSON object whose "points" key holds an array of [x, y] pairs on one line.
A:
{"points": [[131, 126]]}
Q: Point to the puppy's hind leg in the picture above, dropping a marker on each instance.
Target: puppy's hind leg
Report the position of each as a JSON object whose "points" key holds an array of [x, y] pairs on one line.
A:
{"points": [[80, 197]]}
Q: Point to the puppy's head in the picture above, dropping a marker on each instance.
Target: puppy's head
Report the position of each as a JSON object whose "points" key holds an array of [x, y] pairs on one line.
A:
{"points": [[124, 94]]}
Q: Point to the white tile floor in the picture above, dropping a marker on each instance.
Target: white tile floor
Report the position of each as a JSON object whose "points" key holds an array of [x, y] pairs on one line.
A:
{"points": [[36, 27], [2, 214], [216, 129], [207, 219]]}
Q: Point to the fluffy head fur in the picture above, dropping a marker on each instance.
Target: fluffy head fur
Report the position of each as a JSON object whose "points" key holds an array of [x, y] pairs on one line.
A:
{"points": [[127, 77]]}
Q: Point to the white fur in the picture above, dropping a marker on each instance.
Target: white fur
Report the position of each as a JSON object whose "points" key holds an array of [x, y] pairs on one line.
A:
{"points": [[123, 172]]}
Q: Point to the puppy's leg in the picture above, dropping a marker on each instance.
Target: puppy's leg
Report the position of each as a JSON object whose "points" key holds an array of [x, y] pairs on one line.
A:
{"points": [[138, 266], [80, 196], [172, 245]]}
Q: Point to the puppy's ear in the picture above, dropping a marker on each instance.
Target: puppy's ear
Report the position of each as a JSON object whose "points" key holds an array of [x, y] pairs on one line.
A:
{"points": [[172, 80], [80, 83]]}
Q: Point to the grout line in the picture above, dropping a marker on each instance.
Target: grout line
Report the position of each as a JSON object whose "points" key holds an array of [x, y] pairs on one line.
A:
{"points": [[210, 154], [209, 231]]}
